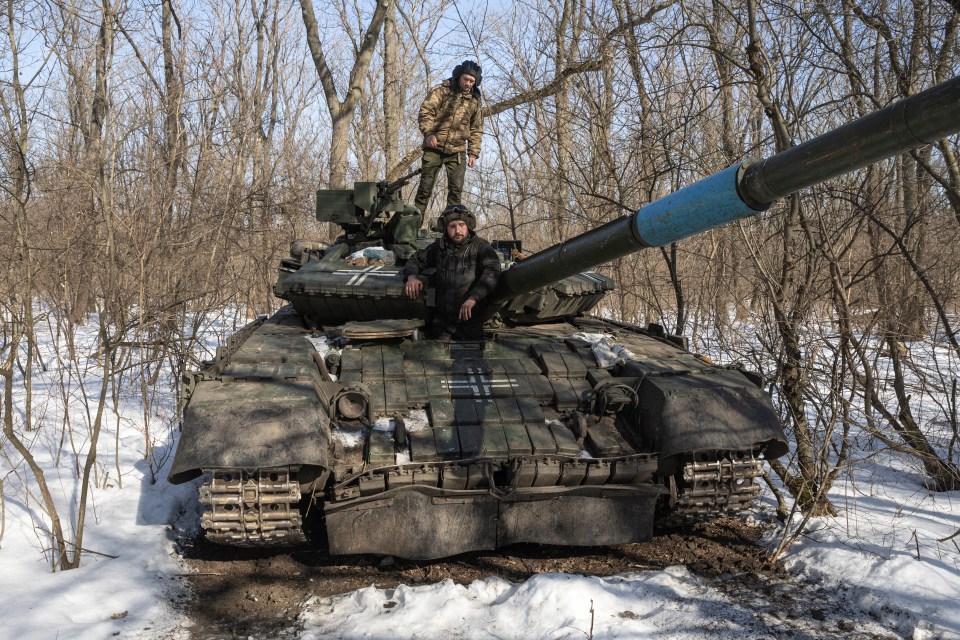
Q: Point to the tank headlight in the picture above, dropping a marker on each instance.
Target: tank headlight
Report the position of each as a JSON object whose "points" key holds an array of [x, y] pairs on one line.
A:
{"points": [[352, 404]]}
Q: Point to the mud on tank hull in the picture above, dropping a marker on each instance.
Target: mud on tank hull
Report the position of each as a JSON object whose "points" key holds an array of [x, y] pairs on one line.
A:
{"points": [[422, 449]]}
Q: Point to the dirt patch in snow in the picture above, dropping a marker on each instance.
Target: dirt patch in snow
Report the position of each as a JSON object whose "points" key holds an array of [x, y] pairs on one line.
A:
{"points": [[241, 593]]}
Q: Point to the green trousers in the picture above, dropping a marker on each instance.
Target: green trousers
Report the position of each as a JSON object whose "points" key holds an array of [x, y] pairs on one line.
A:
{"points": [[456, 166]]}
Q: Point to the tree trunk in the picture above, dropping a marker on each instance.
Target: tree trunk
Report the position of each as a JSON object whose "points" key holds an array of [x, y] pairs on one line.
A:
{"points": [[172, 103], [790, 298], [341, 111], [392, 109]]}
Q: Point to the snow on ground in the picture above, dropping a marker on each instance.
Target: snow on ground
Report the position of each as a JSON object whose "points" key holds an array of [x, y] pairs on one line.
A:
{"points": [[882, 554], [128, 594], [867, 556], [885, 549], [130, 573], [666, 604]]}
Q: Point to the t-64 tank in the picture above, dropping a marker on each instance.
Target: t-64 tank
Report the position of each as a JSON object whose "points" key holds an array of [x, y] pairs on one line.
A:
{"points": [[559, 427]]}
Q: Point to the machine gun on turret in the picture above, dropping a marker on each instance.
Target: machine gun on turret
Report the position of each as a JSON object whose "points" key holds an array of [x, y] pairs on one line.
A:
{"points": [[389, 191], [360, 212]]}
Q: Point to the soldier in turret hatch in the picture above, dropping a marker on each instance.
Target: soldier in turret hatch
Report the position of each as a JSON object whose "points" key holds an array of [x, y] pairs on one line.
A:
{"points": [[467, 272], [452, 126]]}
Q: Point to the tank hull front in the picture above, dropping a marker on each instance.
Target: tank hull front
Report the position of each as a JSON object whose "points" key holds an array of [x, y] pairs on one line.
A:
{"points": [[425, 523], [423, 449]]}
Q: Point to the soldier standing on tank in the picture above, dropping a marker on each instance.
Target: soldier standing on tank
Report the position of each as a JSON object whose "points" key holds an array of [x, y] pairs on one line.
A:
{"points": [[452, 126], [467, 272]]}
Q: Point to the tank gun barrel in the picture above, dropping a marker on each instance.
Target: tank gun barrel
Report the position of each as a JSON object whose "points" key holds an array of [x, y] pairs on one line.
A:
{"points": [[746, 189]]}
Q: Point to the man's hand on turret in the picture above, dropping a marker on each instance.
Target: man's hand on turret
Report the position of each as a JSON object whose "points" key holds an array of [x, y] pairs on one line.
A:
{"points": [[413, 287], [466, 309]]}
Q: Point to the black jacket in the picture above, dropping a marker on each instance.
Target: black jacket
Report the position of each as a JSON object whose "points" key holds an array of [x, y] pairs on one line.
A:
{"points": [[470, 270]]}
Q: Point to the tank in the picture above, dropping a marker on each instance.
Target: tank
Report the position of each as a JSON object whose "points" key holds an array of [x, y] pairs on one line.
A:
{"points": [[559, 427]]}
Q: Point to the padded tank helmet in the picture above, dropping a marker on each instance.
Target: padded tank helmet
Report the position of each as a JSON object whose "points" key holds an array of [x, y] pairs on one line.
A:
{"points": [[456, 212], [468, 67]]}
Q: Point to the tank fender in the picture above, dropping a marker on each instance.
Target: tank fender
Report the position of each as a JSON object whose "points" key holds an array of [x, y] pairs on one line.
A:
{"points": [[249, 425], [712, 410]]}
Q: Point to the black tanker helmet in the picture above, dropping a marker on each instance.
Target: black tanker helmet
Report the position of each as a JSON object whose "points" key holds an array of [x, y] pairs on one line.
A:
{"points": [[456, 212], [470, 68]]}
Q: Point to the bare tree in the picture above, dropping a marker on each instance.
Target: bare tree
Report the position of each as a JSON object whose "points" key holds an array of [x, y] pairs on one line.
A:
{"points": [[342, 109], [18, 280]]}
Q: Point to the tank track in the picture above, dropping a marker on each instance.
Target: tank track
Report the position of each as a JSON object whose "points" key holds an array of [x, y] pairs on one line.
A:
{"points": [[714, 484], [252, 507]]}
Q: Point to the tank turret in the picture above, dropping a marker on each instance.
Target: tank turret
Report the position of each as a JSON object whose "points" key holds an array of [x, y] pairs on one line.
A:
{"points": [[356, 279], [556, 428]]}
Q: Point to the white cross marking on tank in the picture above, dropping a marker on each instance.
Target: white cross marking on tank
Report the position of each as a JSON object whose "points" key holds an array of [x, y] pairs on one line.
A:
{"points": [[363, 274], [477, 376], [480, 383]]}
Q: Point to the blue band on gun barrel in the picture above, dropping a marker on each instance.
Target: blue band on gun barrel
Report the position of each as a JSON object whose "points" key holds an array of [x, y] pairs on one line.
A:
{"points": [[702, 205]]}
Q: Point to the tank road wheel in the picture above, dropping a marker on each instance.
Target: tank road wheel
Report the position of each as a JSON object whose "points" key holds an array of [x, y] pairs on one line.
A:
{"points": [[252, 507], [710, 485]]}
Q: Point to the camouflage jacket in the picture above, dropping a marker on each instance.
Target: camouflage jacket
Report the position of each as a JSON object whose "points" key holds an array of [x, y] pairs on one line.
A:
{"points": [[454, 117]]}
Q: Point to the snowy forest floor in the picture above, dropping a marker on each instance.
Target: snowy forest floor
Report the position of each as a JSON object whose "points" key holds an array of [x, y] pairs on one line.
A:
{"points": [[887, 567]]}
